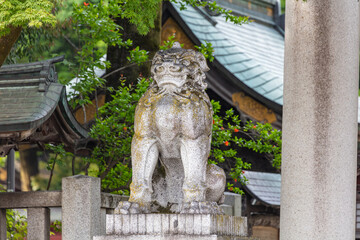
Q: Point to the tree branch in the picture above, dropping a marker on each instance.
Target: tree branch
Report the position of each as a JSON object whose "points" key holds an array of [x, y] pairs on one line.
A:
{"points": [[120, 69], [108, 168], [51, 173], [119, 188], [71, 43]]}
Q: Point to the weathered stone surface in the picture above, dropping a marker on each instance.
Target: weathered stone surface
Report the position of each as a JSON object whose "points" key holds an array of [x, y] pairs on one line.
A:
{"points": [[320, 120], [233, 200], [172, 237], [176, 224], [30, 199], [109, 200], [173, 120], [81, 203], [228, 210], [38, 224], [2, 224]]}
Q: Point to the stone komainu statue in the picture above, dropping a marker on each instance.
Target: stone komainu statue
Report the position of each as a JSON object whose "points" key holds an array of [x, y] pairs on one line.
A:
{"points": [[171, 145]]}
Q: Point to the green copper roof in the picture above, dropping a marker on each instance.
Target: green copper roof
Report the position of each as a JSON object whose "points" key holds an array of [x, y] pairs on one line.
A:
{"points": [[29, 95], [253, 52]]}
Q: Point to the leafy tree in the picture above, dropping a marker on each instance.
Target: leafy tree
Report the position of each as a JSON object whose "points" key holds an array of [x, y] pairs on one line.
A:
{"points": [[14, 15]]}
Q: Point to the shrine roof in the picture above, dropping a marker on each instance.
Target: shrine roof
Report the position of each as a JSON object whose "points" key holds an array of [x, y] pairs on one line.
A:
{"points": [[252, 53], [29, 93], [265, 187], [29, 96]]}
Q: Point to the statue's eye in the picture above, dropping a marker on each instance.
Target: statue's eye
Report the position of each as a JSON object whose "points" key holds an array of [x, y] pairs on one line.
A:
{"points": [[159, 69]]}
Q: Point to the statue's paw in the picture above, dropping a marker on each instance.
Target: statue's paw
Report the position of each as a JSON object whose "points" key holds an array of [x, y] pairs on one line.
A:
{"points": [[131, 208], [201, 208], [190, 207]]}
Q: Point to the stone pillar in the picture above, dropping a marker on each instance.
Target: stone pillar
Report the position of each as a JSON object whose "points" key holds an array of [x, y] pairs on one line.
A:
{"points": [[81, 202], [3, 224], [38, 223], [320, 120]]}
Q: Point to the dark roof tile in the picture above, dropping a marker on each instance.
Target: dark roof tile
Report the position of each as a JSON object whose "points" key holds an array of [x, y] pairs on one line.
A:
{"points": [[266, 187], [29, 95]]}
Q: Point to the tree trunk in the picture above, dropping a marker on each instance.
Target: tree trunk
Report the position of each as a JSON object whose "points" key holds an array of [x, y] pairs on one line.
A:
{"points": [[29, 165], [7, 41], [117, 56]]}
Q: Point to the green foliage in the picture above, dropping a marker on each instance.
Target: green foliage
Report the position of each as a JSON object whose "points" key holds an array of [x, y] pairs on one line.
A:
{"points": [[25, 13], [141, 13], [264, 139], [60, 154], [16, 225], [138, 56], [228, 135], [56, 226], [169, 43], [212, 5], [59, 163], [207, 50], [93, 24], [283, 6], [114, 129], [2, 162], [31, 45]]}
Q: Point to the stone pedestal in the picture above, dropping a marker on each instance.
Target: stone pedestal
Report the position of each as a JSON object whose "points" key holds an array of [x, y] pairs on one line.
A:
{"points": [[320, 120], [174, 226]]}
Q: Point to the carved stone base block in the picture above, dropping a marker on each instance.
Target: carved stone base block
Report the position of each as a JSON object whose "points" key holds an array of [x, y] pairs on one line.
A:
{"points": [[174, 226], [171, 237]]}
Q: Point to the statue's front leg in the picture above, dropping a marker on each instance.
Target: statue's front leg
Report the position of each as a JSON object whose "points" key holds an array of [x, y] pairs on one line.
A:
{"points": [[194, 154], [144, 152]]}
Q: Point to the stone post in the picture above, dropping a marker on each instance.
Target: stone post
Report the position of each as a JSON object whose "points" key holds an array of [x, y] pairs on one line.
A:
{"points": [[38, 223], [320, 120], [81, 202], [2, 224], [234, 200]]}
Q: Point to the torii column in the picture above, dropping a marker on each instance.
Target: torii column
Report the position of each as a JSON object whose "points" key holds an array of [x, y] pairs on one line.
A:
{"points": [[320, 120]]}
